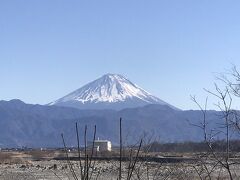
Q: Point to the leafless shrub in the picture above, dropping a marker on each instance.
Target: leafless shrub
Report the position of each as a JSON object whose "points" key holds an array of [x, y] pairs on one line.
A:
{"points": [[227, 121]]}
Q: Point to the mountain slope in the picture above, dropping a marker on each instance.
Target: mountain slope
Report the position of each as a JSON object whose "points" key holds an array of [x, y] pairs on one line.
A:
{"points": [[111, 91], [41, 126]]}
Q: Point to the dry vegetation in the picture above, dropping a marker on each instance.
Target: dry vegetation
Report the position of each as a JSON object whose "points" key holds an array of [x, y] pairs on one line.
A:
{"points": [[147, 166]]}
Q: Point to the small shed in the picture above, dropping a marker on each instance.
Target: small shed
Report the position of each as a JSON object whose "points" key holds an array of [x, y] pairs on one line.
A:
{"points": [[102, 145]]}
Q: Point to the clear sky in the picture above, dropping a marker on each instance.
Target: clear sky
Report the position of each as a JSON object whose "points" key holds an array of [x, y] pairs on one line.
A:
{"points": [[171, 48]]}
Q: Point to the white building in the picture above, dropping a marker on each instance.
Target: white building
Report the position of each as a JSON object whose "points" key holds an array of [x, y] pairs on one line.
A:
{"points": [[102, 145]]}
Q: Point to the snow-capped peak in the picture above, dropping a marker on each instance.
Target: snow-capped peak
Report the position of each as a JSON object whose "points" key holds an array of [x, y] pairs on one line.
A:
{"points": [[110, 88]]}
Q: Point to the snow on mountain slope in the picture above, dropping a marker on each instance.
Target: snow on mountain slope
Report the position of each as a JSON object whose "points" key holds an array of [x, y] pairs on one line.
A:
{"points": [[111, 91]]}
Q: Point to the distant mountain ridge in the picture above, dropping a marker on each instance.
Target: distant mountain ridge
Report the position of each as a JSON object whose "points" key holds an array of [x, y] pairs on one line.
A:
{"points": [[111, 91], [41, 126]]}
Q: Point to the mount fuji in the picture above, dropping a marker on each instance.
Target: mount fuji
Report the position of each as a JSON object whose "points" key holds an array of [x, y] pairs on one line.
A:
{"points": [[111, 91]]}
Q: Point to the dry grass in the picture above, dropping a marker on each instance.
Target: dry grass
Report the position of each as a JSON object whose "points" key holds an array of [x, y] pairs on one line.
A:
{"points": [[11, 158]]}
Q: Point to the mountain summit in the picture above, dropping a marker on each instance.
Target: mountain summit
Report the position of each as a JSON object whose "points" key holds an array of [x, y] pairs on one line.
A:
{"points": [[111, 91]]}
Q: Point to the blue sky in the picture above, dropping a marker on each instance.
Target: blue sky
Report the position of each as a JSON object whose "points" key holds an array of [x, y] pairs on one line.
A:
{"points": [[171, 48]]}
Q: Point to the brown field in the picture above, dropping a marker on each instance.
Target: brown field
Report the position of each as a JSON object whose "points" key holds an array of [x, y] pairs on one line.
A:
{"points": [[53, 165]]}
